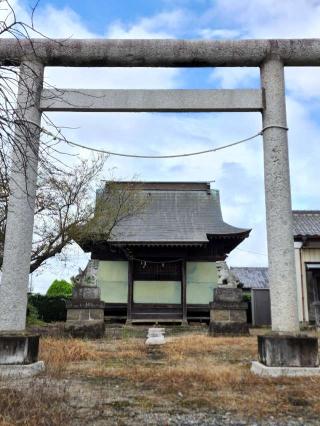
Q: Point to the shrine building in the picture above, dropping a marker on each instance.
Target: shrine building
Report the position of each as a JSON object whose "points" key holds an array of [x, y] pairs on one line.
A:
{"points": [[159, 265]]}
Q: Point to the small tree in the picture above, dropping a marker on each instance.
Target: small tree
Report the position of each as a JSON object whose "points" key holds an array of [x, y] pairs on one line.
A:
{"points": [[66, 210], [60, 288], [65, 195]]}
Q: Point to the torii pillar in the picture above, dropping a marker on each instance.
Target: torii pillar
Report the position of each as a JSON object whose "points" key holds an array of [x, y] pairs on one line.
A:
{"points": [[285, 351], [282, 275], [18, 349]]}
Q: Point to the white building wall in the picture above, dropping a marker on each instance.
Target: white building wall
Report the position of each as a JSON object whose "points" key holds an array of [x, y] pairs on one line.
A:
{"points": [[300, 292], [304, 255]]}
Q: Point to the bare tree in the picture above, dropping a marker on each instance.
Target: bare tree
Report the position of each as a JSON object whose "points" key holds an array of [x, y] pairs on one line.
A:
{"points": [[66, 209], [65, 204]]}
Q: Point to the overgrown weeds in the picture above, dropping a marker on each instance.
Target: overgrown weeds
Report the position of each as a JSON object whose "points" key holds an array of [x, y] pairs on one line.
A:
{"points": [[196, 371], [34, 405], [59, 353]]}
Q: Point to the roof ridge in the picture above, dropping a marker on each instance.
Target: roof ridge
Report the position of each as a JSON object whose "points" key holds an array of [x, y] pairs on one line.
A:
{"points": [[249, 267], [306, 211]]}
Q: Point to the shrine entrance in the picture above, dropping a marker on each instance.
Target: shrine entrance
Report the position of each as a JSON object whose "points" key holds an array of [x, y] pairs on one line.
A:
{"points": [[270, 55]]}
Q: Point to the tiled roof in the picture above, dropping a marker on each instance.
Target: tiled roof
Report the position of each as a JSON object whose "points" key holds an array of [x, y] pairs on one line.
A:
{"points": [[306, 223], [178, 213], [252, 277]]}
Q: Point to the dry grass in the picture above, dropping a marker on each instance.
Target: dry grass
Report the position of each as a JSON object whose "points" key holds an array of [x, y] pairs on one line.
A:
{"points": [[210, 372], [59, 353], [196, 371], [33, 406]]}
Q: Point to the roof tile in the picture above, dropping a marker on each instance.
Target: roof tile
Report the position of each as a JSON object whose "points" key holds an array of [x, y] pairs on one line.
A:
{"points": [[176, 216]]}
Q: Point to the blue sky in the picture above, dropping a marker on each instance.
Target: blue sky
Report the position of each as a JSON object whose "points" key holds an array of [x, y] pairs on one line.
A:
{"points": [[238, 172]]}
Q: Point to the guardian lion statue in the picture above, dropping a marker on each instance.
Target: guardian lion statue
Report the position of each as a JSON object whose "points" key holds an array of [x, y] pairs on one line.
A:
{"points": [[226, 278]]}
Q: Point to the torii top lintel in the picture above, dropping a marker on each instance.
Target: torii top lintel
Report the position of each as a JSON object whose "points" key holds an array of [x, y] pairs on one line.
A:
{"points": [[160, 53]]}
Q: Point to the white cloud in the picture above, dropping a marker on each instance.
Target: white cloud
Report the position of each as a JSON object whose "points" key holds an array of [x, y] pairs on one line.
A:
{"points": [[271, 18], [235, 78], [223, 33], [162, 25]]}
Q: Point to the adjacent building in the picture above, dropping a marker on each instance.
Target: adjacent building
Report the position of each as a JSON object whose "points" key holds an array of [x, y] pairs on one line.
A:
{"points": [[160, 263], [306, 235], [306, 225]]}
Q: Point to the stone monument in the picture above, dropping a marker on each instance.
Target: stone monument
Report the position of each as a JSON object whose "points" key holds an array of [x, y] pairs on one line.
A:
{"points": [[85, 311], [228, 311], [155, 336], [154, 342]]}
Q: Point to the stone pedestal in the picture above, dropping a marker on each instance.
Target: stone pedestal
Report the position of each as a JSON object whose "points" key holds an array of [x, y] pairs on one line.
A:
{"points": [[85, 311], [18, 348], [287, 355], [155, 336], [155, 341], [85, 319], [228, 312], [288, 351], [19, 354]]}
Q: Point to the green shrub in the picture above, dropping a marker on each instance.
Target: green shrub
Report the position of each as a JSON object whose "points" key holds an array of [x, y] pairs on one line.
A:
{"points": [[246, 297], [33, 315], [49, 308], [60, 288]]}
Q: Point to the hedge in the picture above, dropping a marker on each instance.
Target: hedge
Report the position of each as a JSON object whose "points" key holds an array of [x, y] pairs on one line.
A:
{"points": [[50, 308]]}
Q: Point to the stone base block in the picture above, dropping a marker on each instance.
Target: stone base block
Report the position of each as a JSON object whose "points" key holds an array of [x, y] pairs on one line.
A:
{"points": [[288, 351], [86, 293], [75, 313], [85, 329], [227, 294], [18, 348], [21, 371], [264, 371], [217, 328], [155, 352], [231, 315]]}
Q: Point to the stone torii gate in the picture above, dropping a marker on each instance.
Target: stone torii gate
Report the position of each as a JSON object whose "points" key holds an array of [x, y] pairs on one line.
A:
{"points": [[270, 55]]}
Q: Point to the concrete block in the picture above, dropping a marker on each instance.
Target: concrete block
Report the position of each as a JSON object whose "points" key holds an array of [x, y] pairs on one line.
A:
{"points": [[86, 293], [85, 329], [21, 371], [18, 348], [238, 315], [220, 315], [155, 336], [84, 304], [96, 314], [227, 294], [288, 351], [85, 314], [264, 371], [221, 328]]}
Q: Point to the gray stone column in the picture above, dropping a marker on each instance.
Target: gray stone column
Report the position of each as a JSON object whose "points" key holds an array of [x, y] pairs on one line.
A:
{"points": [[283, 288], [23, 178]]}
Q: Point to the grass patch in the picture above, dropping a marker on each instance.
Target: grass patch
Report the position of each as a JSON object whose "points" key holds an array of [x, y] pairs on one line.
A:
{"points": [[33, 406], [58, 353], [197, 372]]}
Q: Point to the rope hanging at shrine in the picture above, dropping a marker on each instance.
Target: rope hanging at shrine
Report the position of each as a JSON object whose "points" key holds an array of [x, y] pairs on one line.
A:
{"points": [[60, 138], [144, 262]]}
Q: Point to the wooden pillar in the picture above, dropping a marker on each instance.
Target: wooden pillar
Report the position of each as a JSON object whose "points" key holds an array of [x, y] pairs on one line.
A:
{"points": [[184, 292], [130, 291]]}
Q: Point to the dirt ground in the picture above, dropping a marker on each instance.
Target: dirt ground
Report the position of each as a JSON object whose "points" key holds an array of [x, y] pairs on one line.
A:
{"points": [[193, 380]]}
